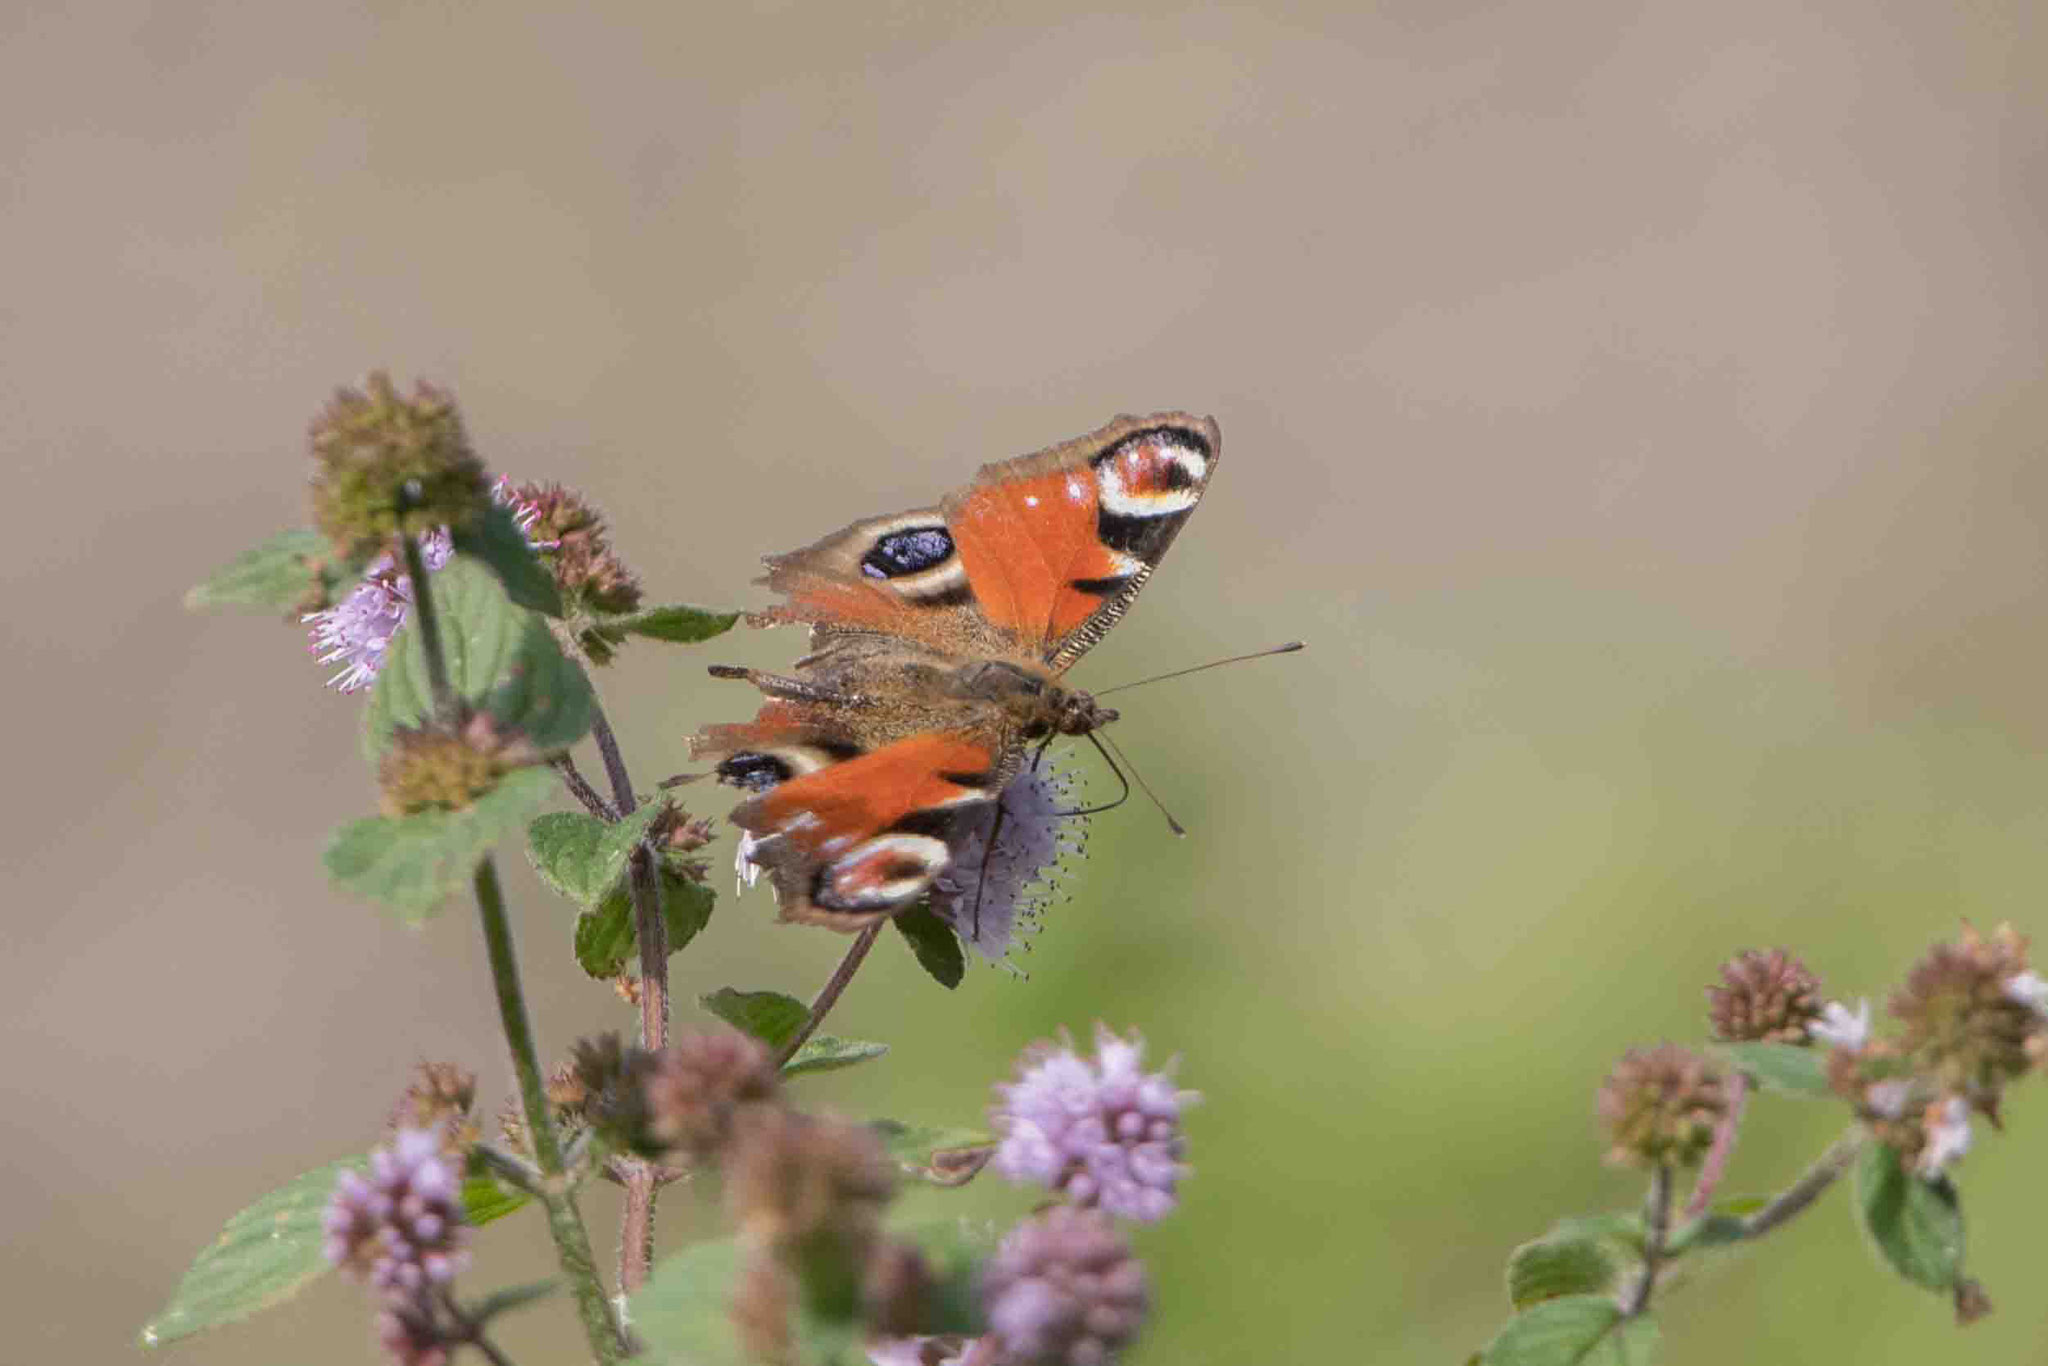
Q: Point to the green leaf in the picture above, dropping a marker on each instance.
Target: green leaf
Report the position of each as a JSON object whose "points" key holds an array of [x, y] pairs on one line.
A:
{"points": [[501, 659], [510, 1298], [485, 1199], [266, 1254], [498, 542], [686, 906], [677, 624], [936, 946], [824, 1053], [583, 857], [608, 937], [1624, 1229], [1570, 1331], [1788, 1069], [1709, 1231], [769, 1016], [1553, 1267], [683, 1314], [284, 574], [940, 1156], [1915, 1224], [412, 863]]}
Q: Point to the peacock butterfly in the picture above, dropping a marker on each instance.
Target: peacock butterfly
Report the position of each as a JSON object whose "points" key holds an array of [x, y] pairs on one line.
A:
{"points": [[938, 641]]}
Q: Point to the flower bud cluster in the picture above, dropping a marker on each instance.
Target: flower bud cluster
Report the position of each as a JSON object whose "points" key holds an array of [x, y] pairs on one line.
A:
{"points": [[1972, 1017], [387, 465], [437, 768], [1660, 1106], [400, 1230]]}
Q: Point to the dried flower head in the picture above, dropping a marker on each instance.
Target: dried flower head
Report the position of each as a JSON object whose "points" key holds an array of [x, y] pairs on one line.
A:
{"points": [[442, 1097], [898, 1289], [1064, 1289], [433, 768], [792, 1179], [387, 466], [569, 535], [992, 895], [1102, 1133], [696, 1087], [400, 1228], [1764, 996], [1660, 1106], [1967, 1014], [763, 1297]]}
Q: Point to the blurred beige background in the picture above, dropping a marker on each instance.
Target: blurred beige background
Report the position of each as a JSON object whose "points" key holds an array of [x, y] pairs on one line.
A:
{"points": [[1639, 409]]}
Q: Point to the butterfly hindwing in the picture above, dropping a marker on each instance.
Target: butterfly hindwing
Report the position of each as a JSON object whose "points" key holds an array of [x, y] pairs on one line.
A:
{"points": [[854, 841]]}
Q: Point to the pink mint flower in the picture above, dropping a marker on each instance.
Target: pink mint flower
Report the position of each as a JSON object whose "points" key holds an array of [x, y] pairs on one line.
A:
{"points": [[1103, 1133]]}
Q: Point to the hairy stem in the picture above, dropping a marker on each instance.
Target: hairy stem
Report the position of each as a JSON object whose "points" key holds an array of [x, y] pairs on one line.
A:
{"points": [[1808, 1188], [1656, 1228], [828, 995], [580, 788], [650, 927], [565, 1223], [429, 626], [1716, 1165]]}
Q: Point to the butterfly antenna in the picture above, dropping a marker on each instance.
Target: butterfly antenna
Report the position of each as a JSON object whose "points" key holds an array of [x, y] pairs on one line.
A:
{"points": [[1289, 648], [1103, 746]]}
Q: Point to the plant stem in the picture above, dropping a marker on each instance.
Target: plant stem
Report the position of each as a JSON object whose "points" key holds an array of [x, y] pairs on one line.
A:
{"points": [[1716, 1165], [828, 995], [650, 928], [579, 788], [429, 626], [565, 1224], [1808, 1188], [1656, 1227]]}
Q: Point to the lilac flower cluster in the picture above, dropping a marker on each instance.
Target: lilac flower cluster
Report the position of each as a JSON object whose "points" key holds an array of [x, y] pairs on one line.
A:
{"points": [[991, 894], [400, 1229], [355, 632], [1064, 1289], [1103, 1133]]}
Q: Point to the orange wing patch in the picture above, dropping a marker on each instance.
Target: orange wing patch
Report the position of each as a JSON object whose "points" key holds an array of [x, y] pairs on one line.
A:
{"points": [[1031, 549], [827, 812]]}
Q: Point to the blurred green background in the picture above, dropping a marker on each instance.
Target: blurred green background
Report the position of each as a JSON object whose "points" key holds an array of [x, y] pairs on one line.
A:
{"points": [[1638, 408]]}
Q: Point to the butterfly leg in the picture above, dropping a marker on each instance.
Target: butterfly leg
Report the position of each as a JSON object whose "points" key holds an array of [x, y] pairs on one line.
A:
{"points": [[791, 689]]}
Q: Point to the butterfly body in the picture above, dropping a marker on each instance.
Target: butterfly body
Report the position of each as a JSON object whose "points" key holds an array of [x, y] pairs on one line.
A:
{"points": [[938, 640]]}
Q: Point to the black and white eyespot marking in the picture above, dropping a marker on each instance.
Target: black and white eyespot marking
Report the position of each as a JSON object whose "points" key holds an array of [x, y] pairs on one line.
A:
{"points": [[754, 771], [912, 550], [880, 874], [757, 770], [1156, 473]]}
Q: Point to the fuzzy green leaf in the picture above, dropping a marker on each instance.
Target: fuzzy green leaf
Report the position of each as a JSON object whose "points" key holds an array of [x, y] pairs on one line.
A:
{"points": [[1553, 1267], [937, 1155], [285, 574], [824, 1053], [683, 1313], [412, 863], [676, 624], [769, 1016], [498, 543], [1915, 1224], [501, 659], [936, 946], [485, 1199], [265, 1255], [582, 857], [609, 936], [1719, 1229], [1623, 1230], [1576, 1330], [1788, 1069]]}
